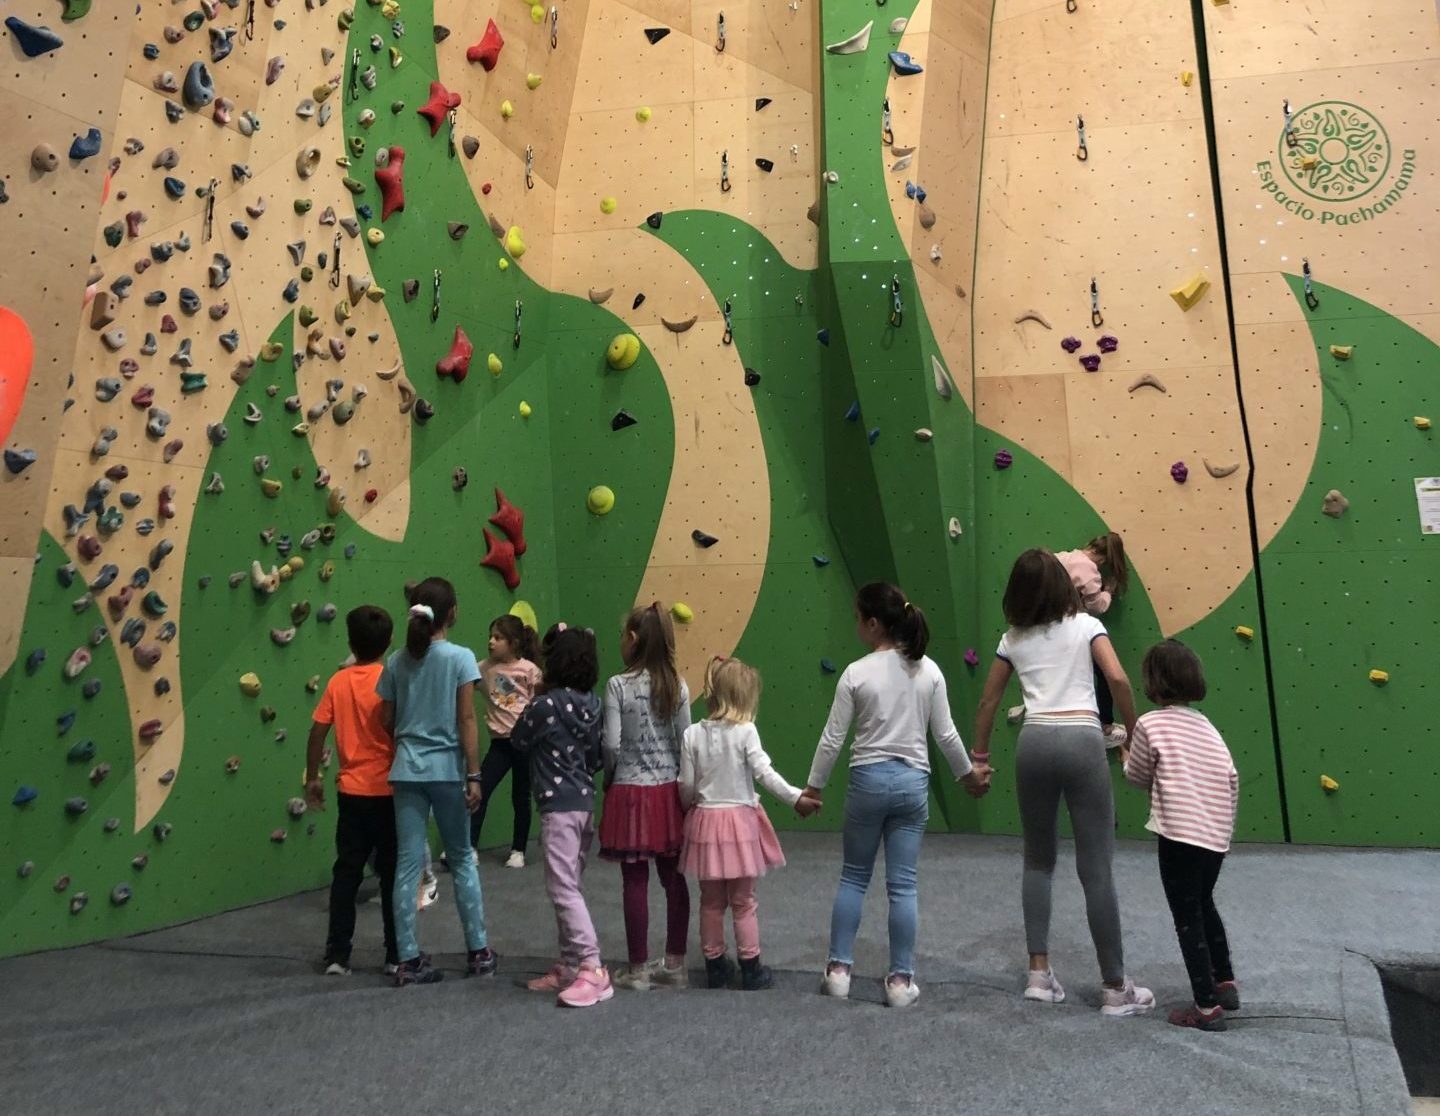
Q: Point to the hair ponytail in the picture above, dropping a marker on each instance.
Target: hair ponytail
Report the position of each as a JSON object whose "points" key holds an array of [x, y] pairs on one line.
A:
{"points": [[904, 623], [431, 604], [654, 653], [1112, 546]]}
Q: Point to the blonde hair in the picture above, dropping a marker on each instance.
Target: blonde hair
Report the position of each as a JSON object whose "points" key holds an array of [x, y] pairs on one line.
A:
{"points": [[732, 690]]}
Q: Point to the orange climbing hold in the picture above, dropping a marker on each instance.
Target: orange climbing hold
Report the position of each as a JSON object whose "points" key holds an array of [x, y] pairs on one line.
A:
{"points": [[441, 102], [391, 180], [17, 354], [456, 363], [487, 50]]}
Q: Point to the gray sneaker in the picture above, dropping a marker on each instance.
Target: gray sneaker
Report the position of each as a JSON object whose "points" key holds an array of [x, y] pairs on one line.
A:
{"points": [[634, 978], [662, 976]]}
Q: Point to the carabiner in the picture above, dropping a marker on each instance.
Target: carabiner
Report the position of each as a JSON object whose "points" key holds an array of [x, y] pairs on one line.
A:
{"points": [[897, 305], [1082, 152], [1310, 299], [519, 309], [554, 27], [1095, 319], [452, 117], [1290, 140], [529, 167], [729, 335], [335, 265], [1070, 6], [249, 19], [724, 172], [887, 131], [352, 90], [720, 33], [435, 299]]}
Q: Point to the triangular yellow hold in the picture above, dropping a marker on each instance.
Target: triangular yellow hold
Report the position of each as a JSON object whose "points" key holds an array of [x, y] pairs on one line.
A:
{"points": [[1188, 294]]}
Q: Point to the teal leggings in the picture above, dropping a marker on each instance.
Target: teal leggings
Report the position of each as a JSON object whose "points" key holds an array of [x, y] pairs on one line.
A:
{"points": [[413, 804]]}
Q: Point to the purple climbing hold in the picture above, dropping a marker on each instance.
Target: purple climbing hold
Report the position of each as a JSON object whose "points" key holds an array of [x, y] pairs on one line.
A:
{"points": [[33, 40], [971, 658], [1004, 459], [1070, 344], [1090, 362], [1179, 472], [1108, 343], [24, 795], [87, 145]]}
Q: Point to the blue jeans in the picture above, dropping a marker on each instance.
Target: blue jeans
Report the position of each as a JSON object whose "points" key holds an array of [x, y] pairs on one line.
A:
{"points": [[413, 804], [889, 800]]}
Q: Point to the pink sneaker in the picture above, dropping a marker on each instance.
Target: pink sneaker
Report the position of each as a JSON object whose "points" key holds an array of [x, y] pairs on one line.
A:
{"points": [[557, 979], [591, 986]]}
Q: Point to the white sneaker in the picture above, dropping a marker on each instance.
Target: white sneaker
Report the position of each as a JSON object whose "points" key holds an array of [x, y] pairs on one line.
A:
{"points": [[516, 859], [1045, 987], [663, 976], [391, 970], [635, 978], [1129, 1000], [901, 992], [1015, 714], [1115, 736], [429, 892], [836, 982], [337, 969]]}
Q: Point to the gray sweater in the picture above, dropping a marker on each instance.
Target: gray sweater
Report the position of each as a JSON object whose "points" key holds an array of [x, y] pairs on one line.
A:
{"points": [[560, 733], [640, 748]]}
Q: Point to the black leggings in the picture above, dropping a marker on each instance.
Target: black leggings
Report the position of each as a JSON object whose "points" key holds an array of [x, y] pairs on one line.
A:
{"points": [[1104, 702], [498, 760], [1188, 874], [365, 825]]}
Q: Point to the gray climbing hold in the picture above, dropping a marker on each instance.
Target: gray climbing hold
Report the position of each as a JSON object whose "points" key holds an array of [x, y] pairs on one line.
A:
{"points": [[240, 230], [189, 301], [35, 660], [120, 895], [17, 461], [76, 806], [77, 904], [174, 187], [82, 751], [173, 112], [199, 88], [229, 341], [219, 270], [98, 774], [90, 689], [26, 869], [44, 158], [222, 42]]}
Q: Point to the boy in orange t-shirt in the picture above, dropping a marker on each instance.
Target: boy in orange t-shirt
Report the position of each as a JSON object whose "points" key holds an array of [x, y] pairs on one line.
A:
{"points": [[366, 806]]}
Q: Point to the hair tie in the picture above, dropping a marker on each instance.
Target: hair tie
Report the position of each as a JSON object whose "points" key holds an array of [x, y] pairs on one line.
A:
{"points": [[423, 610], [908, 606]]}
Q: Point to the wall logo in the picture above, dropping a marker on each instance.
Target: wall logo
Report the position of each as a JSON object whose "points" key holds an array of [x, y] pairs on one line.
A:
{"points": [[1340, 154]]}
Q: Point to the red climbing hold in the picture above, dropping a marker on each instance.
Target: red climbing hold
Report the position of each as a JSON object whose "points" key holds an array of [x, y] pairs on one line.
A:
{"points": [[456, 362], [441, 101], [17, 353], [150, 730], [500, 557], [511, 520], [487, 50], [391, 180]]}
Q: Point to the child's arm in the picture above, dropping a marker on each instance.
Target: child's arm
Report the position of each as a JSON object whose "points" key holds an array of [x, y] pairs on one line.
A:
{"points": [[762, 769], [687, 771], [469, 727], [995, 683], [522, 736], [314, 748], [947, 736], [1140, 765], [610, 738], [832, 739], [681, 721]]}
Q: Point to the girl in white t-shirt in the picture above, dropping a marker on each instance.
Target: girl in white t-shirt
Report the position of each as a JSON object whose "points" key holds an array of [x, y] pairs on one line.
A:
{"points": [[1051, 645], [729, 842]]}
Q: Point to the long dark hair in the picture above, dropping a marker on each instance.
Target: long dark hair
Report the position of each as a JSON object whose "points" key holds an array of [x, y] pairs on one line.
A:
{"points": [[438, 595], [654, 653], [1039, 591], [903, 622], [1112, 546], [518, 635]]}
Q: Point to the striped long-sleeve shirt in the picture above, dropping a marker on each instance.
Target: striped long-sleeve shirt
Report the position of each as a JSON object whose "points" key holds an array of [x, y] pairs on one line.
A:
{"points": [[1178, 756]]}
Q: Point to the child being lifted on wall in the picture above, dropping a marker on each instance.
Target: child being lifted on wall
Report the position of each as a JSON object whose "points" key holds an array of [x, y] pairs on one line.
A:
{"points": [[1100, 574]]}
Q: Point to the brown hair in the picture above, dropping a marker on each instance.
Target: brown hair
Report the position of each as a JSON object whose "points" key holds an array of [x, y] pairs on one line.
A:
{"points": [[1112, 546], [1039, 591], [1173, 674], [732, 690], [438, 595], [654, 653], [902, 621], [518, 635]]}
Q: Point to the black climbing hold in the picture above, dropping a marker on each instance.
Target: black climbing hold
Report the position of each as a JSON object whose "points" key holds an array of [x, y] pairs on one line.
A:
{"points": [[761, 102], [64, 722], [765, 165], [823, 337], [751, 377], [827, 666], [853, 413], [82, 751], [174, 187], [76, 806], [820, 560], [34, 660], [17, 461], [622, 419], [873, 436], [655, 34], [440, 33], [639, 298], [654, 219], [702, 539]]}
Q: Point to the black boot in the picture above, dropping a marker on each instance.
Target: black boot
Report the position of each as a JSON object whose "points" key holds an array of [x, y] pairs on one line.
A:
{"points": [[754, 976], [719, 971]]}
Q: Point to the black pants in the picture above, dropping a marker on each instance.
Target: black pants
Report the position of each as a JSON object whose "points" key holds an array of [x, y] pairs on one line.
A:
{"points": [[365, 825], [498, 760], [1104, 702], [1188, 874]]}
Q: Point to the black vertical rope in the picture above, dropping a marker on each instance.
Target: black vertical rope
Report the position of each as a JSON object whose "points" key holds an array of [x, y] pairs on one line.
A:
{"points": [[1202, 58]]}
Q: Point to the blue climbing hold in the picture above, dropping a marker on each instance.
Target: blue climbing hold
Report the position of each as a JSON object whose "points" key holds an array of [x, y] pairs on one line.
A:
{"points": [[24, 796], [34, 660], [364, 212], [151, 51], [823, 337], [853, 414], [919, 193], [820, 560], [174, 187], [108, 573], [904, 65], [64, 722], [91, 688], [17, 461], [873, 436], [199, 88], [87, 145], [827, 666], [349, 550], [34, 41]]}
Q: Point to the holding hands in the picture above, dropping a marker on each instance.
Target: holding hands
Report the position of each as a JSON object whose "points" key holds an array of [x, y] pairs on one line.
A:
{"points": [[977, 780], [808, 803]]}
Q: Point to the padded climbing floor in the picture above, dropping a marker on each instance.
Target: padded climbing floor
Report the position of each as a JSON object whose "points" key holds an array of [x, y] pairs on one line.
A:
{"points": [[231, 1007]]}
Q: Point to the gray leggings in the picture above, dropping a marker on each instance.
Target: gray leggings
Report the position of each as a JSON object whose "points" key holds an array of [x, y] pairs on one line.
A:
{"points": [[1055, 760]]}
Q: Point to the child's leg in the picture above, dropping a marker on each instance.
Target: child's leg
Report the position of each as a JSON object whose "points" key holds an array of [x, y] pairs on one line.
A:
{"points": [[564, 837], [713, 898], [1090, 798], [492, 769], [740, 894], [1182, 873], [904, 829], [1037, 791], [1215, 929], [352, 847], [1104, 700], [451, 818], [412, 813], [864, 816], [677, 906], [635, 876], [519, 799], [383, 821]]}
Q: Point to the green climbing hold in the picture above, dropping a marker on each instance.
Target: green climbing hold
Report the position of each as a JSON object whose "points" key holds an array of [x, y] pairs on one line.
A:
{"points": [[357, 146], [191, 382], [193, 21], [75, 9], [354, 185], [302, 205], [397, 107], [114, 234]]}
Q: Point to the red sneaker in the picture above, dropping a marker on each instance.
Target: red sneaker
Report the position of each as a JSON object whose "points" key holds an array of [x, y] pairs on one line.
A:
{"points": [[1202, 1019]]}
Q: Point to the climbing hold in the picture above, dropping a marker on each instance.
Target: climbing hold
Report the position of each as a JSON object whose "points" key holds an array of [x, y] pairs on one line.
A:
{"points": [[32, 40], [852, 413], [76, 806], [1244, 632], [608, 205], [282, 637], [17, 461], [600, 500], [1186, 77], [1342, 352], [766, 165], [1179, 472], [1148, 380], [507, 109], [1335, 504], [511, 520], [904, 65], [655, 34], [827, 667], [1421, 422], [823, 336], [1219, 471], [500, 557], [680, 326], [120, 895], [77, 662], [1032, 316], [250, 684], [391, 180], [752, 378], [24, 795], [1327, 784], [199, 88], [1070, 344], [1379, 677], [456, 363], [682, 612], [623, 351], [1004, 459], [1090, 362], [872, 435], [515, 242], [1108, 343], [855, 44], [1188, 293], [820, 560], [971, 658], [77, 904], [278, 836], [487, 50], [622, 419], [457, 229], [703, 540], [924, 434], [438, 106]]}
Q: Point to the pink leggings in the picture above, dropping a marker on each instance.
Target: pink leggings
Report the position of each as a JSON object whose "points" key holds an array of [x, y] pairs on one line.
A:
{"points": [[739, 896], [636, 878]]}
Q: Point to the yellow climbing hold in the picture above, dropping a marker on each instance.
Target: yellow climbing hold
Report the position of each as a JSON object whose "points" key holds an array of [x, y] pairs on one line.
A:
{"points": [[525, 409], [682, 612], [390, 9], [623, 351], [1342, 352], [507, 110], [492, 362], [1421, 422], [537, 13], [1245, 633], [504, 264], [525, 613], [643, 114], [515, 242], [1186, 77], [600, 501], [295, 563], [1379, 677], [1328, 785], [374, 236], [1188, 294], [532, 81], [1309, 162], [250, 684], [607, 205], [270, 486], [271, 350]]}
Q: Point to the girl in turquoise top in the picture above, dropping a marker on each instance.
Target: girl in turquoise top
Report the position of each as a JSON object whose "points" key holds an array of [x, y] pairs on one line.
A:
{"points": [[427, 701]]}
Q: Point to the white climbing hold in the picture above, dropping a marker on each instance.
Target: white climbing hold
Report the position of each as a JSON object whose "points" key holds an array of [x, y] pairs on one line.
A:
{"points": [[855, 44], [953, 527], [944, 386]]}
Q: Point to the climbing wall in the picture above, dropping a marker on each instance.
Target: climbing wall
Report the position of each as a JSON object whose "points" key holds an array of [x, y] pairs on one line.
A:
{"points": [[1345, 379]]}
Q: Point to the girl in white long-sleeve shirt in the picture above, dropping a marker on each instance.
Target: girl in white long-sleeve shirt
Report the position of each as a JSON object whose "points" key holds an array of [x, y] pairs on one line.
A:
{"points": [[893, 695], [729, 842]]}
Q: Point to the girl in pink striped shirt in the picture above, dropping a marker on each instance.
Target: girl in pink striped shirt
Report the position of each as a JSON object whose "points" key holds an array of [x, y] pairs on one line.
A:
{"points": [[1176, 754]]}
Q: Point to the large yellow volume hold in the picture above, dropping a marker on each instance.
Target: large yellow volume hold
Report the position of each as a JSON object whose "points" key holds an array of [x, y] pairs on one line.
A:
{"points": [[600, 500], [1188, 294]]}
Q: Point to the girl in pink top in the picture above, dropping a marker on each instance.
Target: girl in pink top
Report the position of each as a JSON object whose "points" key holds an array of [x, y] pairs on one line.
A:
{"points": [[1176, 754], [509, 678], [1100, 574]]}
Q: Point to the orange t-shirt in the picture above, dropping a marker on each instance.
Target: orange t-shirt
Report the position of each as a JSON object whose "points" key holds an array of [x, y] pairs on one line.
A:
{"points": [[351, 704]]}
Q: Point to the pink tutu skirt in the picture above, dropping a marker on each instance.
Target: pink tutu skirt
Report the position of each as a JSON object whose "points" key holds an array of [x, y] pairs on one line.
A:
{"points": [[639, 823], [729, 843]]}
